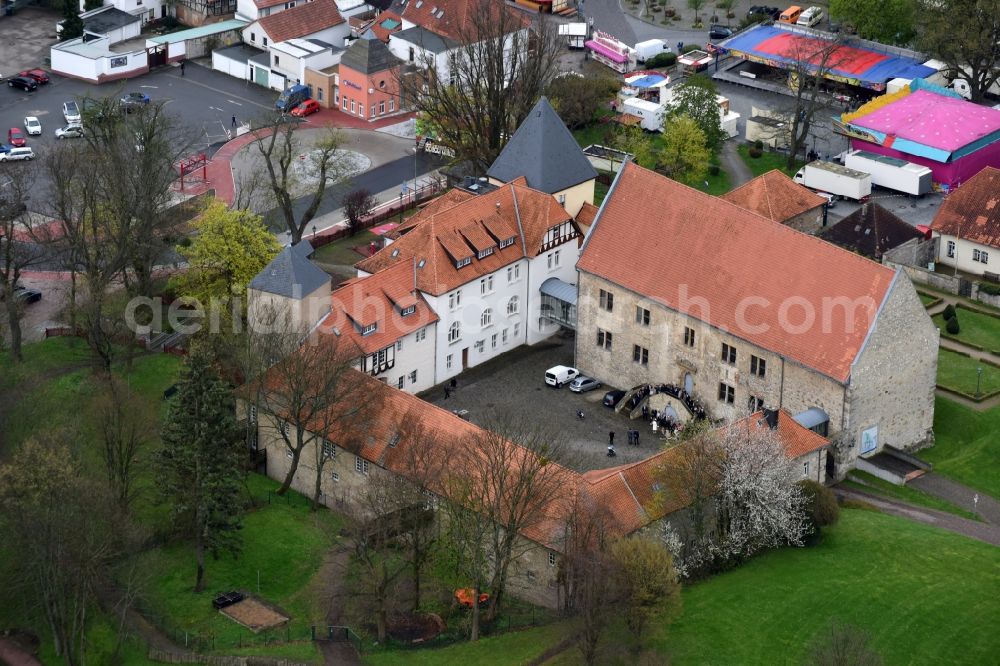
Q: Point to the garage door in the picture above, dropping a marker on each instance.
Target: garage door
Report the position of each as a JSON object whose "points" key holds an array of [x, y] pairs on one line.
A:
{"points": [[262, 76], [229, 66]]}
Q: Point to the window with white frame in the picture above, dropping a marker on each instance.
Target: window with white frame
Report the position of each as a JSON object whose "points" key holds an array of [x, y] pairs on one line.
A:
{"points": [[381, 107], [420, 334], [805, 468], [392, 104], [758, 366], [513, 305], [482, 254], [640, 355], [455, 299], [447, 362], [507, 242], [285, 428], [553, 259], [603, 339], [413, 377], [607, 300], [493, 341], [486, 285], [513, 273], [463, 262], [335, 476], [487, 318], [552, 559], [982, 256], [951, 249], [454, 332], [517, 328], [329, 450], [399, 345], [253, 414], [727, 393], [480, 346], [561, 199], [504, 336], [401, 382], [408, 310], [360, 465]]}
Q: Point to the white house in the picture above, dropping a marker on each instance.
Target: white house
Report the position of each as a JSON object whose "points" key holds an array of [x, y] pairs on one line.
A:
{"points": [[968, 226], [145, 10], [251, 10], [291, 58]]}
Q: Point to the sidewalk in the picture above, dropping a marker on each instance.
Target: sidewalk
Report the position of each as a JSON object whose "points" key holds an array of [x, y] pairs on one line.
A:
{"points": [[959, 494]]}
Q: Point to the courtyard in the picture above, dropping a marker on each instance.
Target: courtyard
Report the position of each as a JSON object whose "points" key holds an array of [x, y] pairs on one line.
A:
{"points": [[514, 382]]}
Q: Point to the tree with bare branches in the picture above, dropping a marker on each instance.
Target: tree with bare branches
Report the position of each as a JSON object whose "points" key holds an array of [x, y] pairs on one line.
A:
{"points": [[965, 34], [477, 100], [126, 426], [279, 148]]}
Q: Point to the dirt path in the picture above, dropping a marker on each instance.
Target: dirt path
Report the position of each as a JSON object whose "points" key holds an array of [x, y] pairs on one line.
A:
{"points": [[332, 574], [975, 530], [739, 172]]}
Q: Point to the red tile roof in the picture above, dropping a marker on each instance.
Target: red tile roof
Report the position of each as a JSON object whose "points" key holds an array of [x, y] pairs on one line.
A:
{"points": [[972, 211], [379, 29], [586, 216], [378, 299], [439, 235], [456, 19], [301, 20], [775, 196], [758, 280]]}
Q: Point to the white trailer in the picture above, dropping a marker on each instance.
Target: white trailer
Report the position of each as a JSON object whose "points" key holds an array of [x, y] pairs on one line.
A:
{"points": [[575, 34], [650, 48], [651, 113], [891, 172], [835, 179]]}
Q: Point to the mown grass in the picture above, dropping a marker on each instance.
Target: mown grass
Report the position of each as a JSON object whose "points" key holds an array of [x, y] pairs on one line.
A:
{"points": [[768, 161], [960, 373], [966, 447], [975, 328], [341, 251]]}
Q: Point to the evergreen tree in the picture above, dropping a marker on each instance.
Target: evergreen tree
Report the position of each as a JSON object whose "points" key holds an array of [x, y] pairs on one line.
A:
{"points": [[72, 26], [199, 465]]}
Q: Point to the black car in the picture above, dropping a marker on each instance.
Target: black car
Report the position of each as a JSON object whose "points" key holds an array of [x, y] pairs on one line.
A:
{"points": [[23, 82], [25, 295], [764, 12], [612, 398], [134, 100], [719, 32]]}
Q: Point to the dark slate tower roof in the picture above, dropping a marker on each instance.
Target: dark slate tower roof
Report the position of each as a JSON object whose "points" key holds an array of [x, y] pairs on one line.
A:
{"points": [[291, 273], [368, 56], [543, 151]]}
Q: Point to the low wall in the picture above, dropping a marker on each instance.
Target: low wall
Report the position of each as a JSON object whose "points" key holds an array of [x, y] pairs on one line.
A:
{"points": [[215, 660]]}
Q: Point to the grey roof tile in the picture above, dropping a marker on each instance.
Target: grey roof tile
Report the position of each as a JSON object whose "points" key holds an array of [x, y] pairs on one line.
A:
{"points": [[543, 151], [368, 56], [291, 273]]}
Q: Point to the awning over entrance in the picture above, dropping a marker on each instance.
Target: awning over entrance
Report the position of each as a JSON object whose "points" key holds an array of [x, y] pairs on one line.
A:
{"points": [[814, 419], [561, 290]]}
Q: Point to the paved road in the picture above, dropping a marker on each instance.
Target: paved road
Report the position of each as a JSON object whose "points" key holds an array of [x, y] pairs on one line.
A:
{"points": [[959, 494], [981, 531]]}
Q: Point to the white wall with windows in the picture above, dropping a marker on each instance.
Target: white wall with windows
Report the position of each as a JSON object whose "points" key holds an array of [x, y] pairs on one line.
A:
{"points": [[968, 256], [408, 363], [558, 262]]}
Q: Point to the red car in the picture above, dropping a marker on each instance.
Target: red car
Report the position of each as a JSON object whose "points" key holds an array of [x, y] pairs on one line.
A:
{"points": [[305, 108], [15, 137], [39, 75]]}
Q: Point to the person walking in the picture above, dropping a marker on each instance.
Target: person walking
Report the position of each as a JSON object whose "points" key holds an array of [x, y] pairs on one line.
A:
{"points": [[182, 68], [234, 120], [611, 438], [635, 437]]}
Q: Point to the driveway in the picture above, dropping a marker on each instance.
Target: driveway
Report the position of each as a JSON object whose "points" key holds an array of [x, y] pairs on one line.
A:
{"points": [[515, 382], [25, 38]]}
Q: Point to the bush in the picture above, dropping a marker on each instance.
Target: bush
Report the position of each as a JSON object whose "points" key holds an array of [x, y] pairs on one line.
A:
{"points": [[758, 144], [952, 326], [687, 48], [991, 289], [755, 152], [949, 312], [662, 60], [821, 504], [713, 169]]}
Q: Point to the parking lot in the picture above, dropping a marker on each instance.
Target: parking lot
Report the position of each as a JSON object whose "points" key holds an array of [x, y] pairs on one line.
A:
{"points": [[515, 382]]}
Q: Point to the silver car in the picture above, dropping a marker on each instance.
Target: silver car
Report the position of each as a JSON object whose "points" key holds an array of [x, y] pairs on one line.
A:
{"points": [[69, 132], [582, 384], [71, 112]]}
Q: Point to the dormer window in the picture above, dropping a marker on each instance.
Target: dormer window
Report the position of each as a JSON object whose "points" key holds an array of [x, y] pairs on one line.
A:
{"points": [[485, 253], [506, 243], [369, 329], [463, 262], [409, 310]]}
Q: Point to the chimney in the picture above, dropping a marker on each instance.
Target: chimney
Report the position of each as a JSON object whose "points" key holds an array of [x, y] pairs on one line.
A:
{"points": [[498, 205], [771, 416]]}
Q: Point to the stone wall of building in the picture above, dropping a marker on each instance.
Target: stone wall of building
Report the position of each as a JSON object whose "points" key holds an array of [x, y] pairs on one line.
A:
{"points": [[893, 379], [810, 221]]}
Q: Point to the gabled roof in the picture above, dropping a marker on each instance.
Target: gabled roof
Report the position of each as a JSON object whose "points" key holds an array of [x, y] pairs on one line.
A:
{"points": [[454, 19], [775, 196], [301, 20], [291, 273], [440, 235], [425, 39], [870, 231], [735, 270], [378, 299], [368, 56], [543, 151], [972, 211], [586, 216]]}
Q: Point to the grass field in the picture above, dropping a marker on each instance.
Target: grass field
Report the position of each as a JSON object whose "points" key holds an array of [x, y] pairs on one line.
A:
{"points": [[926, 299], [894, 578], [342, 251], [283, 547], [768, 161], [959, 372], [975, 328], [966, 447], [876, 486]]}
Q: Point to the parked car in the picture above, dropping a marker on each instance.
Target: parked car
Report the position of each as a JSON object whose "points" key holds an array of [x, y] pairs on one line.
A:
{"points": [[23, 82], [24, 295], [71, 112], [582, 384], [560, 374], [764, 12], [831, 199], [39, 75], [32, 126], [16, 154], [612, 398], [306, 108], [134, 99], [70, 132], [810, 17], [719, 32], [15, 137]]}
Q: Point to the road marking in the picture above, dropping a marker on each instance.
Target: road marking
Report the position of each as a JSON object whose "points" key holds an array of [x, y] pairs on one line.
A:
{"points": [[248, 101], [153, 87], [232, 102], [215, 108]]}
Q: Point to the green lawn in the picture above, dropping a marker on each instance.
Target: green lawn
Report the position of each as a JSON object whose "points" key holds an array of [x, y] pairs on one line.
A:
{"points": [[959, 372], [927, 299], [876, 486], [966, 446], [342, 251], [897, 579], [975, 328], [283, 547], [768, 161], [41, 358]]}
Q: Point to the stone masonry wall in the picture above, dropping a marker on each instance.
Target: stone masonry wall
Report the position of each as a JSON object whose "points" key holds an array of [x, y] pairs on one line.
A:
{"points": [[893, 380]]}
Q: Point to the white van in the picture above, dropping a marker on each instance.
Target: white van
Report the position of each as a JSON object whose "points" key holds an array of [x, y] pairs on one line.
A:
{"points": [[23, 153], [560, 374], [810, 17]]}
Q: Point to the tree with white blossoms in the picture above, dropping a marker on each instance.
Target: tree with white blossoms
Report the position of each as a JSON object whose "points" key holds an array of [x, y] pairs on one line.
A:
{"points": [[741, 493]]}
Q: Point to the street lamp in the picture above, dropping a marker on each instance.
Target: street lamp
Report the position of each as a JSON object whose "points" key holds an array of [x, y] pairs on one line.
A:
{"points": [[402, 193], [979, 379]]}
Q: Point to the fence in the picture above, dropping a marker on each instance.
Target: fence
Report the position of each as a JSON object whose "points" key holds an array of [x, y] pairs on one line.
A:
{"points": [[383, 212], [217, 660]]}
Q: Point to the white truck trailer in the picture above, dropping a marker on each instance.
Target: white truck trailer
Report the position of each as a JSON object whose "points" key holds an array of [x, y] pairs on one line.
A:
{"points": [[891, 172], [650, 48], [835, 179]]}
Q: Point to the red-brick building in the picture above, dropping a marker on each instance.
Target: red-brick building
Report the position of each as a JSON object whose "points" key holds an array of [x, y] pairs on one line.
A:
{"points": [[369, 80]]}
